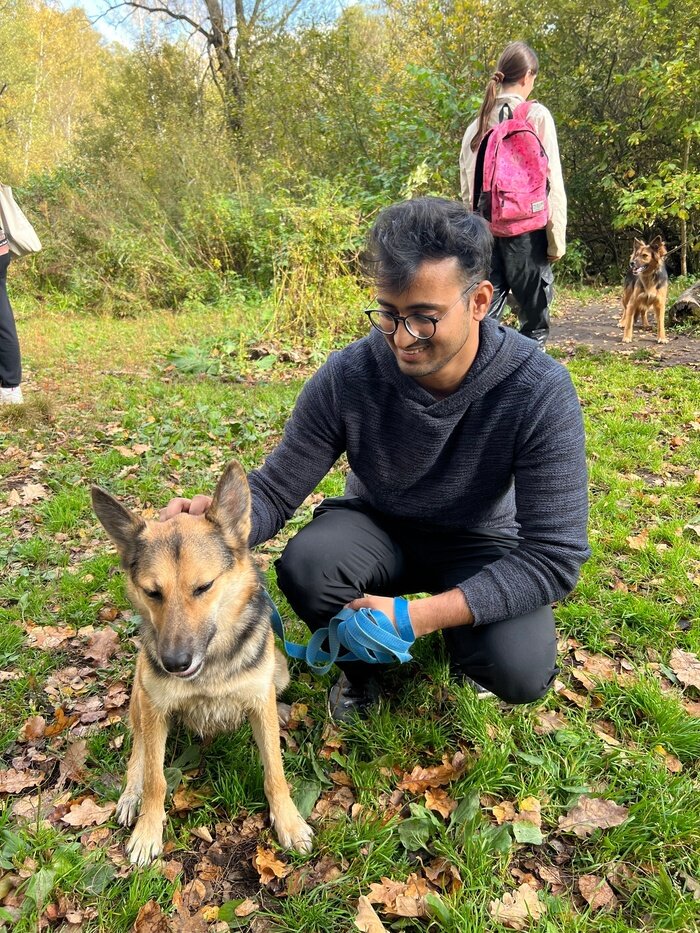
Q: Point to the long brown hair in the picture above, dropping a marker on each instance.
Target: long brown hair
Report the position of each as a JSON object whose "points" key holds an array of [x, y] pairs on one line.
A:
{"points": [[516, 61]]}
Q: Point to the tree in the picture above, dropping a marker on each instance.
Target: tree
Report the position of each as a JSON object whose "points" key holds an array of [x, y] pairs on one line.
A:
{"points": [[230, 38]]}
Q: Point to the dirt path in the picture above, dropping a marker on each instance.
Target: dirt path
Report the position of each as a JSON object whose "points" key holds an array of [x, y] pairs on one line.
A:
{"points": [[595, 326]]}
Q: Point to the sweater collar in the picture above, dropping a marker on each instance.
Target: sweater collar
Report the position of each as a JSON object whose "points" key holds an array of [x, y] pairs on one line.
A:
{"points": [[501, 351]]}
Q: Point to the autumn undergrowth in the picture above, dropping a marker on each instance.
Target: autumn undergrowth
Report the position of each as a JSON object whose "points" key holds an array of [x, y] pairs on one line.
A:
{"points": [[131, 410]]}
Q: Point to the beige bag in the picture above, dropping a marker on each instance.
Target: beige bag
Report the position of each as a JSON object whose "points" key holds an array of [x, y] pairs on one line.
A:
{"points": [[19, 232]]}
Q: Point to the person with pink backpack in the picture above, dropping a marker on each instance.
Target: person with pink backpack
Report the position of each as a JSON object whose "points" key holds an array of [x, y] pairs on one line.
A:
{"points": [[510, 173]]}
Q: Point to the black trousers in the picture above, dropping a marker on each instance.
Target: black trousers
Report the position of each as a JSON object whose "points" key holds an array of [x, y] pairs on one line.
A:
{"points": [[10, 360], [519, 265], [349, 549]]}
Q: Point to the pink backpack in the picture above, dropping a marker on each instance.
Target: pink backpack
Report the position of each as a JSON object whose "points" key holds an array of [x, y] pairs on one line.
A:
{"points": [[510, 182]]}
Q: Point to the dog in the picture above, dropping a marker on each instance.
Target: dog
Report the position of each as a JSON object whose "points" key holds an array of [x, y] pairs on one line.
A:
{"points": [[646, 288], [207, 651]]}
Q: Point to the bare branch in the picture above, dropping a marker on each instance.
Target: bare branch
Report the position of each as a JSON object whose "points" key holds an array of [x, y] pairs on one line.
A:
{"points": [[182, 17]]}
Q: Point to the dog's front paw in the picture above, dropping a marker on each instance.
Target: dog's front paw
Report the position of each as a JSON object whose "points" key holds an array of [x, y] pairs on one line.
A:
{"points": [[662, 340], [627, 340], [292, 831], [146, 842], [128, 807]]}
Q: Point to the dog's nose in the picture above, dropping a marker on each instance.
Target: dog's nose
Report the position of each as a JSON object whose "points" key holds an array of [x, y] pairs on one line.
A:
{"points": [[177, 660]]}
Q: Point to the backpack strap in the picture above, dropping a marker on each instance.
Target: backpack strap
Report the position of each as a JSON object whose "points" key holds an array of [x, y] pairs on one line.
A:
{"points": [[505, 113], [479, 171]]}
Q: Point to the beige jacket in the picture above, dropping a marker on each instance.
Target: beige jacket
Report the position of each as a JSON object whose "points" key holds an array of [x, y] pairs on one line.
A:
{"points": [[543, 124]]}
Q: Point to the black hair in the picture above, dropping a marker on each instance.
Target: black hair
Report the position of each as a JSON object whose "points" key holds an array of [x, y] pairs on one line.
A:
{"points": [[411, 232]]}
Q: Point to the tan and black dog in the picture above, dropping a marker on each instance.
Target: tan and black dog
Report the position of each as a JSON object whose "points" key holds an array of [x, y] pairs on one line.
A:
{"points": [[208, 655], [646, 289]]}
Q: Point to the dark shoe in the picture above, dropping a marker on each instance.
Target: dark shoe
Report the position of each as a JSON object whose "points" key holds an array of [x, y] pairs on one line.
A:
{"points": [[346, 700]]}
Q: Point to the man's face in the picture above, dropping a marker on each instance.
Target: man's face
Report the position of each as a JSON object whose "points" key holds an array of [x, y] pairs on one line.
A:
{"points": [[440, 363]]}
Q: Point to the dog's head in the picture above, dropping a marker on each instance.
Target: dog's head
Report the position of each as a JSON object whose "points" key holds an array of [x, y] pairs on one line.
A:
{"points": [[647, 256], [183, 573]]}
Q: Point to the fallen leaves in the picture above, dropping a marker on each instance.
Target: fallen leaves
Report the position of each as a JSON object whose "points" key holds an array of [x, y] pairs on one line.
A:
{"points": [[596, 892], [686, 667], [592, 813], [517, 910], [367, 919], [421, 779], [269, 866], [102, 645], [14, 782], [29, 493], [88, 813]]}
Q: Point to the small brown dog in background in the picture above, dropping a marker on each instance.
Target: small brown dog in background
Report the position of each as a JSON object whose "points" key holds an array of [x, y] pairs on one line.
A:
{"points": [[646, 289], [208, 655]]}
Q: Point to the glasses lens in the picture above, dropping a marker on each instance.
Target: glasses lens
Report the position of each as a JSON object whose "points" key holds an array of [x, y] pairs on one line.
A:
{"points": [[383, 321], [420, 326]]}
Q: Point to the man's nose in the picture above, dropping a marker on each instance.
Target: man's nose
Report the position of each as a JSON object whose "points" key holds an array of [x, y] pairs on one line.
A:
{"points": [[402, 338]]}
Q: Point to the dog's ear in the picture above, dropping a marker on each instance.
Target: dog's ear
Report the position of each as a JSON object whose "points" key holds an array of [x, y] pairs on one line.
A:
{"points": [[230, 507], [121, 525], [639, 244], [658, 245]]}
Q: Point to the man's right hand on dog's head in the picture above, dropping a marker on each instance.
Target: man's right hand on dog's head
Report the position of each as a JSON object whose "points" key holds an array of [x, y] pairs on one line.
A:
{"points": [[195, 506]]}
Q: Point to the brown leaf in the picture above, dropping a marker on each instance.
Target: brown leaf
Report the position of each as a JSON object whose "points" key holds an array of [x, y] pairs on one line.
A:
{"points": [[88, 813], [151, 919], [14, 782], [439, 801], [420, 779], [32, 492], [269, 866], [504, 812], [367, 919], [517, 910], [246, 907], [638, 542], [686, 667], [549, 721], [401, 899], [443, 874], [32, 730], [672, 763], [60, 723], [72, 767], [102, 645], [48, 637], [596, 891], [530, 812], [576, 698], [592, 813], [186, 799], [692, 708]]}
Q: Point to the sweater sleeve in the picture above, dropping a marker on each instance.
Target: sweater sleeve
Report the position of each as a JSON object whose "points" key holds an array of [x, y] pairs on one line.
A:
{"points": [[556, 226], [467, 163], [313, 439], [551, 508]]}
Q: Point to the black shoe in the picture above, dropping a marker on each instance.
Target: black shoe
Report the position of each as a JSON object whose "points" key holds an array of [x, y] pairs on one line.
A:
{"points": [[346, 700]]}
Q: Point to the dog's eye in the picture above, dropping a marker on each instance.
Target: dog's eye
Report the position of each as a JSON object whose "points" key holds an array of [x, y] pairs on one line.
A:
{"points": [[203, 589], [154, 594]]}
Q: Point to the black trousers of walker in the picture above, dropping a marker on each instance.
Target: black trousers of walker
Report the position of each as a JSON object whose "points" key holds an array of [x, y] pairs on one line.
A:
{"points": [[349, 549], [519, 265], [10, 359]]}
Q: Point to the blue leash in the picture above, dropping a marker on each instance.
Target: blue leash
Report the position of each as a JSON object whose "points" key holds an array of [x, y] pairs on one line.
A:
{"points": [[366, 635]]}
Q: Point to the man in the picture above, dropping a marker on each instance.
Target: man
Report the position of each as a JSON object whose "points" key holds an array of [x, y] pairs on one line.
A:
{"points": [[468, 477]]}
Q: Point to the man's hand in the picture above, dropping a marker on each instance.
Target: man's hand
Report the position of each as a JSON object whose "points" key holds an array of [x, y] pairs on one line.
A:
{"points": [[430, 614], [196, 506]]}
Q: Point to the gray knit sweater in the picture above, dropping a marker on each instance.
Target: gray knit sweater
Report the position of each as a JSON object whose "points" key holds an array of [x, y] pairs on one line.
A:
{"points": [[504, 452]]}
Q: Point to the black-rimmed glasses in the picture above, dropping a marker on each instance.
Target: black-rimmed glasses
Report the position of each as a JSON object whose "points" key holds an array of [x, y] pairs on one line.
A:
{"points": [[420, 326]]}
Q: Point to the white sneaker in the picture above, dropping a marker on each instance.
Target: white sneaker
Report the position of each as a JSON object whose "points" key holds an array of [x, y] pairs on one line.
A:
{"points": [[11, 396]]}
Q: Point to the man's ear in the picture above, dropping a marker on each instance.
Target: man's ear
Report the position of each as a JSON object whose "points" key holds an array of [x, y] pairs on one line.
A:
{"points": [[230, 507], [122, 526], [481, 300]]}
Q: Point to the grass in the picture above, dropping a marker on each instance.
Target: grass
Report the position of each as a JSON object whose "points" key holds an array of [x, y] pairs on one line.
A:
{"points": [[106, 406]]}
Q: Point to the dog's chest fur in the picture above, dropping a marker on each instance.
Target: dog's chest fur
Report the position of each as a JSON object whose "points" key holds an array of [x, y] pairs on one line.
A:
{"points": [[216, 701]]}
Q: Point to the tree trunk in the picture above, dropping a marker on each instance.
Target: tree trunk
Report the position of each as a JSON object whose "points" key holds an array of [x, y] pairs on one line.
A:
{"points": [[687, 306]]}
